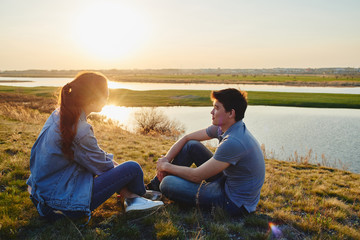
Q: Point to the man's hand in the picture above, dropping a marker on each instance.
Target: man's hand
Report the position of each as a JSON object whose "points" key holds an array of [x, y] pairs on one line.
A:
{"points": [[163, 159], [160, 175], [160, 167]]}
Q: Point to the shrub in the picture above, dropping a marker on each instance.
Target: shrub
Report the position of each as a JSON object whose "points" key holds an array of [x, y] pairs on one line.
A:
{"points": [[152, 121]]}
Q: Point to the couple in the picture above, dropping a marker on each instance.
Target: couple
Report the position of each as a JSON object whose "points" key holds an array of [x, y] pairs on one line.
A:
{"points": [[72, 176]]}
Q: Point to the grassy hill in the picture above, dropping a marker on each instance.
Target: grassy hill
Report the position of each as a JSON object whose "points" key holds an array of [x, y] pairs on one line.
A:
{"points": [[298, 200]]}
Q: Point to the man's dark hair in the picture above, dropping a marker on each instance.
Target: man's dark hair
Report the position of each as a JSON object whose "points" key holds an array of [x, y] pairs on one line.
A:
{"points": [[232, 98]]}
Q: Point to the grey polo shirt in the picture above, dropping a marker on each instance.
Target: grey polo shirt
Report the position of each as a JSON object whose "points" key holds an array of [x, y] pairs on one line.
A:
{"points": [[246, 173]]}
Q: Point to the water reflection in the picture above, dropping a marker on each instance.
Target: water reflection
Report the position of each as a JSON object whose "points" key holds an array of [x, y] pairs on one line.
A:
{"points": [[59, 82], [331, 134], [122, 115]]}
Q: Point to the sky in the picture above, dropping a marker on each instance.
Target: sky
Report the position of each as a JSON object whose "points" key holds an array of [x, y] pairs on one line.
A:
{"points": [[157, 34]]}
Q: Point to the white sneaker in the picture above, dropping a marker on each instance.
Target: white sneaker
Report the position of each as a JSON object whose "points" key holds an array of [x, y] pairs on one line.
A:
{"points": [[152, 195], [141, 204]]}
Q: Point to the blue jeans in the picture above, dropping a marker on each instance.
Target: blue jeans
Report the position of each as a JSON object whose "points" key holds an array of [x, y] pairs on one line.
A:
{"points": [[207, 194], [128, 174]]}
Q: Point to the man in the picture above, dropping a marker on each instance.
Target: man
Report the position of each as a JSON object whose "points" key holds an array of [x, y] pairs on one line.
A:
{"points": [[235, 173]]}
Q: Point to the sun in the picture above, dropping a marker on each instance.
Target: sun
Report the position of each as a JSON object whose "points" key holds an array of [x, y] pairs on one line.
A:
{"points": [[110, 30]]}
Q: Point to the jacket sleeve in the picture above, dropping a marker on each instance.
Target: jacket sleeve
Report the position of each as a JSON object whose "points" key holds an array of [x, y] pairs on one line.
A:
{"points": [[89, 155]]}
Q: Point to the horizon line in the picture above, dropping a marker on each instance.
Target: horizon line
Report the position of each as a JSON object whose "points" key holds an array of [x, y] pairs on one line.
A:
{"points": [[139, 69]]}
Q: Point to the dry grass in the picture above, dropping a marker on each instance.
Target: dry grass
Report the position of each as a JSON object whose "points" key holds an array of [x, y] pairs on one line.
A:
{"points": [[298, 201], [312, 198], [41, 104], [308, 158]]}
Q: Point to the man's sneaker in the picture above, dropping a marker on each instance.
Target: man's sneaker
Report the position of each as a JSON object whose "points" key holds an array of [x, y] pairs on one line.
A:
{"points": [[141, 204], [152, 195], [153, 184]]}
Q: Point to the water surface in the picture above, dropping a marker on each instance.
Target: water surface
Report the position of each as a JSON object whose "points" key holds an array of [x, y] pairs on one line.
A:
{"points": [[58, 82], [330, 135]]}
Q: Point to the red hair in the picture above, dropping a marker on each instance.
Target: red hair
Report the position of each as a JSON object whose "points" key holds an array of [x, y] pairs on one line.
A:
{"points": [[86, 88]]}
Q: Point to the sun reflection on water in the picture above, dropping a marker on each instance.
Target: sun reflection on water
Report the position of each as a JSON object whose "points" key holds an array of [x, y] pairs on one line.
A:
{"points": [[116, 85], [123, 115]]}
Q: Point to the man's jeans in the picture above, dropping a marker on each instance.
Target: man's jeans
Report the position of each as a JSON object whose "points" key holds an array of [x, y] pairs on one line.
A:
{"points": [[128, 174], [206, 194]]}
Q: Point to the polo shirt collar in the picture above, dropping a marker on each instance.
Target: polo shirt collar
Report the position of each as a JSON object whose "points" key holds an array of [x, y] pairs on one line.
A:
{"points": [[230, 129]]}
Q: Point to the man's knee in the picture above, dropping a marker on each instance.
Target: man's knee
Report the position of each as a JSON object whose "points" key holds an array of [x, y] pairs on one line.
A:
{"points": [[167, 184], [193, 143]]}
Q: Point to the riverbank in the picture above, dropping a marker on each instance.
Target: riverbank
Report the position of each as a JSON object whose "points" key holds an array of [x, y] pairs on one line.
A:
{"points": [[307, 80], [284, 80], [298, 200], [131, 98], [288, 83]]}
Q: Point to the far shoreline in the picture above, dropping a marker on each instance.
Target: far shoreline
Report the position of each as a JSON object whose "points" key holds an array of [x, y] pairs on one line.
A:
{"points": [[339, 84], [15, 81], [294, 84]]}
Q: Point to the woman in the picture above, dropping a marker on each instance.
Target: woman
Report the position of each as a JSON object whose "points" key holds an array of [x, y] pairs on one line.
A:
{"points": [[70, 174]]}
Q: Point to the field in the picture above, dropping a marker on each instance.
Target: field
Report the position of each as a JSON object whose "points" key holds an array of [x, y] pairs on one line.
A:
{"points": [[299, 200], [130, 98], [298, 80]]}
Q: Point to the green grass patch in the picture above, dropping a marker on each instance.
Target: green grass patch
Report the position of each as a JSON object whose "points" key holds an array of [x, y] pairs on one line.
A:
{"points": [[131, 98], [235, 78], [124, 97], [37, 91]]}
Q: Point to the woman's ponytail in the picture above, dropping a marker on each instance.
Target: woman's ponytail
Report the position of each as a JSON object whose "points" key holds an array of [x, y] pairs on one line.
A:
{"points": [[69, 117]]}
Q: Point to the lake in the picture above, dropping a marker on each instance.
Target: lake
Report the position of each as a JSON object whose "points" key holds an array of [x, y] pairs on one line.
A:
{"points": [[58, 82], [331, 135], [328, 135]]}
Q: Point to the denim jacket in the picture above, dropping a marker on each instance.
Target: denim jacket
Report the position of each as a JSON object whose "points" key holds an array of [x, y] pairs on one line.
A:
{"points": [[60, 183]]}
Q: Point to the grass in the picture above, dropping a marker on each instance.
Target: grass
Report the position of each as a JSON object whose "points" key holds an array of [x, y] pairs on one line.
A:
{"points": [[130, 98], [37, 91], [239, 78], [124, 97], [299, 200]]}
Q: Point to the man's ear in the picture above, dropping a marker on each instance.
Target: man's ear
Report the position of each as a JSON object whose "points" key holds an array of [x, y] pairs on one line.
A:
{"points": [[232, 113]]}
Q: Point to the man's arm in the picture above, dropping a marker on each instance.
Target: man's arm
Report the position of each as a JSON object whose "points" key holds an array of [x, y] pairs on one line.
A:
{"points": [[206, 170], [200, 135]]}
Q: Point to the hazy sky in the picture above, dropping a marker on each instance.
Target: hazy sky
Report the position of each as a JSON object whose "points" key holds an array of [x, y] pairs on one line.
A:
{"points": [[89, 34]]}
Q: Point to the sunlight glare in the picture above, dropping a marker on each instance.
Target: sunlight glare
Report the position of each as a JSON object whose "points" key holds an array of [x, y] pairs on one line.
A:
{"points": [[121, 114], [110, 30], [275, 230]]}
